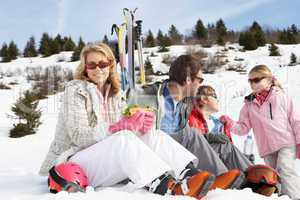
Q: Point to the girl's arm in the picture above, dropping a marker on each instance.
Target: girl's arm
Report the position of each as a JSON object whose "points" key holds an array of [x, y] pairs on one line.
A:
{"points": [[243, 125], [74, 112]]}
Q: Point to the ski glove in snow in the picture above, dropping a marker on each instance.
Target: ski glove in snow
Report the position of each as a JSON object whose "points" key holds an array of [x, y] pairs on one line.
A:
{"points": [[216, 138], [141, 122]]}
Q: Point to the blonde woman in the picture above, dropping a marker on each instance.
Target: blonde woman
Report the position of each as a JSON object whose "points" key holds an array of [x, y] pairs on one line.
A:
{"points": [[92, 133]]}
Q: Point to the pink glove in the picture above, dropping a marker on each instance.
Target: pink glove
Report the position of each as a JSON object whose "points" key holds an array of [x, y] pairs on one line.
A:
{"points": [[140, 121], [226, 120]]}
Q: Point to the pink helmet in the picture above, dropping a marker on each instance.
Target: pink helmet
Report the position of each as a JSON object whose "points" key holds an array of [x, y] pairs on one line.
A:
{"points": [[68, 177]]}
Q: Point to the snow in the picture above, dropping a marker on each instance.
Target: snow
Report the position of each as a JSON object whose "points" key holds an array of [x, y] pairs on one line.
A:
{"points": [[21, 158]]}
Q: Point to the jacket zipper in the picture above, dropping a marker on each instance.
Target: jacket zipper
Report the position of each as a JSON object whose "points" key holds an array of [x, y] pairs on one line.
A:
{"points": [[271, 114]]}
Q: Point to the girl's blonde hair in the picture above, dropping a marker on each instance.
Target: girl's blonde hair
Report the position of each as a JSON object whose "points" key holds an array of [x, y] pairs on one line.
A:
{"points": [[104, 49], [264, 71]]}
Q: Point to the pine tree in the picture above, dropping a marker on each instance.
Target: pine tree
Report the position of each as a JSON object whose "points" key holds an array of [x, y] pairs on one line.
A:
{"points": [[69, 45], [174, 35], [274, 51], [55, 47], [258, 34], [293, 59], [221, 31], [61, 42], [12, 51], [4, 53], [287, 37], [28, 115], [163, 41], [247, 39], [30, 49], [148, 67], [160, 38], [76, 53], [200, 31], [294, 29], [150, 40], [45, 48], [105, 39]]}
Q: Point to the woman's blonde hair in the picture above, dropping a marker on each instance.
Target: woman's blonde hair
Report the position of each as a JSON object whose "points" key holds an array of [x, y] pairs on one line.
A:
{"points": [[264, 71], [104, 49]]}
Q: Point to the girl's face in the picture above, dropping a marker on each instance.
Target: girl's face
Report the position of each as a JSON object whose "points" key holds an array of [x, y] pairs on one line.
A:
{"points": [[98, 75], [258, 82]]}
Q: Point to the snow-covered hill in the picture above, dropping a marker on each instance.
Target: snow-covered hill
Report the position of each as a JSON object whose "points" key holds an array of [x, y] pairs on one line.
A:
{"points": [[21, 158]]}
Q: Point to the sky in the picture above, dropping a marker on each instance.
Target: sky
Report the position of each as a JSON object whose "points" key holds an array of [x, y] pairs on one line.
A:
{"points": [[92, 19]]}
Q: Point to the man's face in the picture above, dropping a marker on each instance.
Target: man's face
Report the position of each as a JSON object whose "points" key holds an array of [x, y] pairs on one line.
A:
{"points": [[191, 86]]}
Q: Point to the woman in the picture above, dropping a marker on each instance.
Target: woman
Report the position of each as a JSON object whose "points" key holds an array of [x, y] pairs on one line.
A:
{"points": [[92, 133]]}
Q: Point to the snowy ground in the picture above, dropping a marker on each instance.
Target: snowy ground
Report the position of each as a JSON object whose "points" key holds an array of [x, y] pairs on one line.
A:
{"points": [[21, 158]]}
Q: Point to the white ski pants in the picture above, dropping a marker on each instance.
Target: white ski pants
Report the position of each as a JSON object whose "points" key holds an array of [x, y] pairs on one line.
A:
{"points": [[139, 158], [284, 162]]}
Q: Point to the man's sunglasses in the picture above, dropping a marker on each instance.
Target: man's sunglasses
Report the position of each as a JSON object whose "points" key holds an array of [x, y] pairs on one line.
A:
{"points": [[200, 79], [255, 80], [100, 65]]}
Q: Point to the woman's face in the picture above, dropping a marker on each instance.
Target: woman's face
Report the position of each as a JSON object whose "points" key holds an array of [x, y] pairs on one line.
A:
{"points": [[258, 82], [97, 75]]}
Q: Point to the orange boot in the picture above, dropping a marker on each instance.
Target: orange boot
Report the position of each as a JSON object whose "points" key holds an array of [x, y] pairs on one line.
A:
{"points": [[229, 180], [195, 186]]}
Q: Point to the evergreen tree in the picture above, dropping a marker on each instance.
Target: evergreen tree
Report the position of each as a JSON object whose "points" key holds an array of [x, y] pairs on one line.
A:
{"points": [[221, 31], [293, 59], [163, 41], [45, 43], [160, 38], [148, 67], [76, 53], [28, 115], [69, 45], [30, 49], [247, 39], [55, 47], [258, 34], [274, 51], [12, 51], [174, 35], [287, 37], [61, 42], [105, 39], [150, 40], [200, 31], [4, 53], [294, 29]]}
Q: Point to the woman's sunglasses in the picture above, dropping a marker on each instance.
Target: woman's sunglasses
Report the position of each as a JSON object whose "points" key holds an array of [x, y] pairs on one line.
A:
{"points": [[255, 80], [100, 65]]}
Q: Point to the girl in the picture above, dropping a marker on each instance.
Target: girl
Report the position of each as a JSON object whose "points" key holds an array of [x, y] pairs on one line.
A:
{"points": [[91, 133], [276, 126]]}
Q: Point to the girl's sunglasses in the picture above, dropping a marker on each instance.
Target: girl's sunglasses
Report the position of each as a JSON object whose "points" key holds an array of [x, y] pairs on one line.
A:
{"points": [[100, 65], [255, 80]]}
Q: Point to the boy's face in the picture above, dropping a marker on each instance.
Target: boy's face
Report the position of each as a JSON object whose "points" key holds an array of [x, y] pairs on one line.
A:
{"points": [[209, 103]]}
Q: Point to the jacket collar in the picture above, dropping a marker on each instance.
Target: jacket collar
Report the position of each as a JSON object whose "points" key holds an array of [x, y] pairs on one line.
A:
{"points": [[251, 97]]}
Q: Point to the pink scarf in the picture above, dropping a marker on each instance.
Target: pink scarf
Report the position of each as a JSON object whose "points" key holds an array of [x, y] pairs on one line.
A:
{"points": [[262, 96]]}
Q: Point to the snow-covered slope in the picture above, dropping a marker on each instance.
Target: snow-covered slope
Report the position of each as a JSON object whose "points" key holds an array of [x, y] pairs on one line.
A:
{"points": [[21, 158]]}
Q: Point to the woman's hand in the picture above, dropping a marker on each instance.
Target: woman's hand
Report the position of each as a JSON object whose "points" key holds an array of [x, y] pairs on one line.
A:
{"points": [[140, 121]]}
